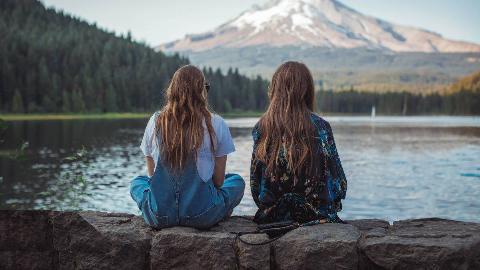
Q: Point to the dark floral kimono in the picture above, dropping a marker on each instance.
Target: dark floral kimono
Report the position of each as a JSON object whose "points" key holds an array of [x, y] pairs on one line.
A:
{"points": [[311, 196]]}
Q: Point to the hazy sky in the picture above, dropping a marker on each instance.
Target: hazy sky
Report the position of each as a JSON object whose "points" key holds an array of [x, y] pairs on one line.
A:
{"points": [[159, 21]]}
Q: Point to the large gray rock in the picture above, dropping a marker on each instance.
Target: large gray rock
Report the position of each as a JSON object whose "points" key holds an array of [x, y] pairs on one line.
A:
{"points": [[26, 240], [366, 225], [72, 240], [423, 244], [187, 248], [94, 240], [326, 246], [248, 256]]}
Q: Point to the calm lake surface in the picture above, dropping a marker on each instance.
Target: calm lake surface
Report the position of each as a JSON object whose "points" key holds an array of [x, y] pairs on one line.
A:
{"points": [[397, 167]]}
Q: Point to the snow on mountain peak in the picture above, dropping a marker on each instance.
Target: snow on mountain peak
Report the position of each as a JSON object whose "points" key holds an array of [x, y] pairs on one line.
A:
{"points": [[297, 13], [316, 23]]}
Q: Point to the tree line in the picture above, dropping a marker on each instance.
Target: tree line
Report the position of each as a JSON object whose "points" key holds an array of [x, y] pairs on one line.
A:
{"points": [[463, 102], [461, 98], [53, 62], [233, 92]]}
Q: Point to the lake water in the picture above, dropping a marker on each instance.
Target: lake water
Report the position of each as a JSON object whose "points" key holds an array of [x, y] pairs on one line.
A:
{"points": [[397, 167]]}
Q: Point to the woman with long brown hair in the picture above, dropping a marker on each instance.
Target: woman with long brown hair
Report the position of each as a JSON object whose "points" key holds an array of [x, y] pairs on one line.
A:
{"points": [[186, 148], [295, 174]]}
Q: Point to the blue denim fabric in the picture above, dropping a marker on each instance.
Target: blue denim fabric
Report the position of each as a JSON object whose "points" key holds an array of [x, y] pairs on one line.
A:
{"points": [[168, 200]]}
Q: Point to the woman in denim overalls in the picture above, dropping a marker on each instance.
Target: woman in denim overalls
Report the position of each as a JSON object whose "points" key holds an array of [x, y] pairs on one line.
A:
{"points": [[186, 147]]}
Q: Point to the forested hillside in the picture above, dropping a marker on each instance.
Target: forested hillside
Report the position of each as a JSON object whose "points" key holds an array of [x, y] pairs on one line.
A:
{"points": [[53, 62], [461, 98], [468, 83]]}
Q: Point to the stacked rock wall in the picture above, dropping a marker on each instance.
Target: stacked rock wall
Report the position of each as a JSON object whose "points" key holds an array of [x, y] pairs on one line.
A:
{"points": [[96, 240]]}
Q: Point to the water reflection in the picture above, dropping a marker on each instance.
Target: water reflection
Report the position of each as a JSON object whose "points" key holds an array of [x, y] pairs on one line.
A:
{"points": [[396, 170]]}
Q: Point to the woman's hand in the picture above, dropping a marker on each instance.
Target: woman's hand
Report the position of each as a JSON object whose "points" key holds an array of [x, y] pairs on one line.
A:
{"points": [[219, 171]]}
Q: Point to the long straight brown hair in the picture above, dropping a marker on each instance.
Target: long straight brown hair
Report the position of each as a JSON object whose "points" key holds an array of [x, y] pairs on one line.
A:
{"points": [[286, 125], [180, 123]]}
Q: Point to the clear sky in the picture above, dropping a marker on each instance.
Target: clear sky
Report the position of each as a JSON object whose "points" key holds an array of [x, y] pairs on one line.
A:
{"points": [[159, 21]]}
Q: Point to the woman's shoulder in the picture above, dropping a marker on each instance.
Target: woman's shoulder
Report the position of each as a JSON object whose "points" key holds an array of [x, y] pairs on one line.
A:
{"points": [[217, 117], [219, 125], [154, 116], [152, 120], [256, 131], [319, 122], [218, 121]]}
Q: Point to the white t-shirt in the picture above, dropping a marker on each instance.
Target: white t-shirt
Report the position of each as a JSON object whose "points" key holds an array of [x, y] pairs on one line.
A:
{"points": [[205, 157]]}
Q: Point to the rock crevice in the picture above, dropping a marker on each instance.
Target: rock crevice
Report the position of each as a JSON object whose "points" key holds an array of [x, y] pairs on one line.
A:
{"points": [[97, 240]]}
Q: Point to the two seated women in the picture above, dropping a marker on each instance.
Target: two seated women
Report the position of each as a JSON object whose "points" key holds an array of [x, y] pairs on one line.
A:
{"points": [[295, 171]]}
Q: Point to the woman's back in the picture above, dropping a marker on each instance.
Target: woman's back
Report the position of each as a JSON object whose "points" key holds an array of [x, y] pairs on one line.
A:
{"points": [[296, 173], [186, 148], [323, 190], [184, 197], [205, 161]]}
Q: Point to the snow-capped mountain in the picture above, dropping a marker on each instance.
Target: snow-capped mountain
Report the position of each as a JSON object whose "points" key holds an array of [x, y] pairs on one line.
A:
{"points": [[316, 23]]}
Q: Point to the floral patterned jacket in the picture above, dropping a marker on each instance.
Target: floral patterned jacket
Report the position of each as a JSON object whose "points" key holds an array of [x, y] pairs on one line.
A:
{"points": [[306, 197]]}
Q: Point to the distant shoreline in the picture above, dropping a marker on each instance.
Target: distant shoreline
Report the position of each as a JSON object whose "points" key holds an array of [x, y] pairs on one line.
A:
{"points": [[113, 116]]}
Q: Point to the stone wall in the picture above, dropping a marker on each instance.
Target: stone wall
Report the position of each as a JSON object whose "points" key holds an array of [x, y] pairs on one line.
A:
{"points": [[96, 240]]}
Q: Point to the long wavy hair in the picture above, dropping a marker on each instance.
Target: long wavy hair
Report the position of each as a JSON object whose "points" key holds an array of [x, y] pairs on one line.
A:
{"points": [[181, 121], [286, 128]]}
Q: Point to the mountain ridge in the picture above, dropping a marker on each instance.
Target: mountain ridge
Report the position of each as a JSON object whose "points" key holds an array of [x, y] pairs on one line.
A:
{"points": [[316, 23], [336, 46]]}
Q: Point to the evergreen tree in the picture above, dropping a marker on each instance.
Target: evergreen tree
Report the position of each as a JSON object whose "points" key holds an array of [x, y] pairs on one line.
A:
{"points": [[17, 103], [48, 105], [66, 104], [227, 106], [110, 100], [78, 105]]}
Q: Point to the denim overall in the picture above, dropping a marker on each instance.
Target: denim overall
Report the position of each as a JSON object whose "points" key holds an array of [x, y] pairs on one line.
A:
{"points": [[184, 199]]}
